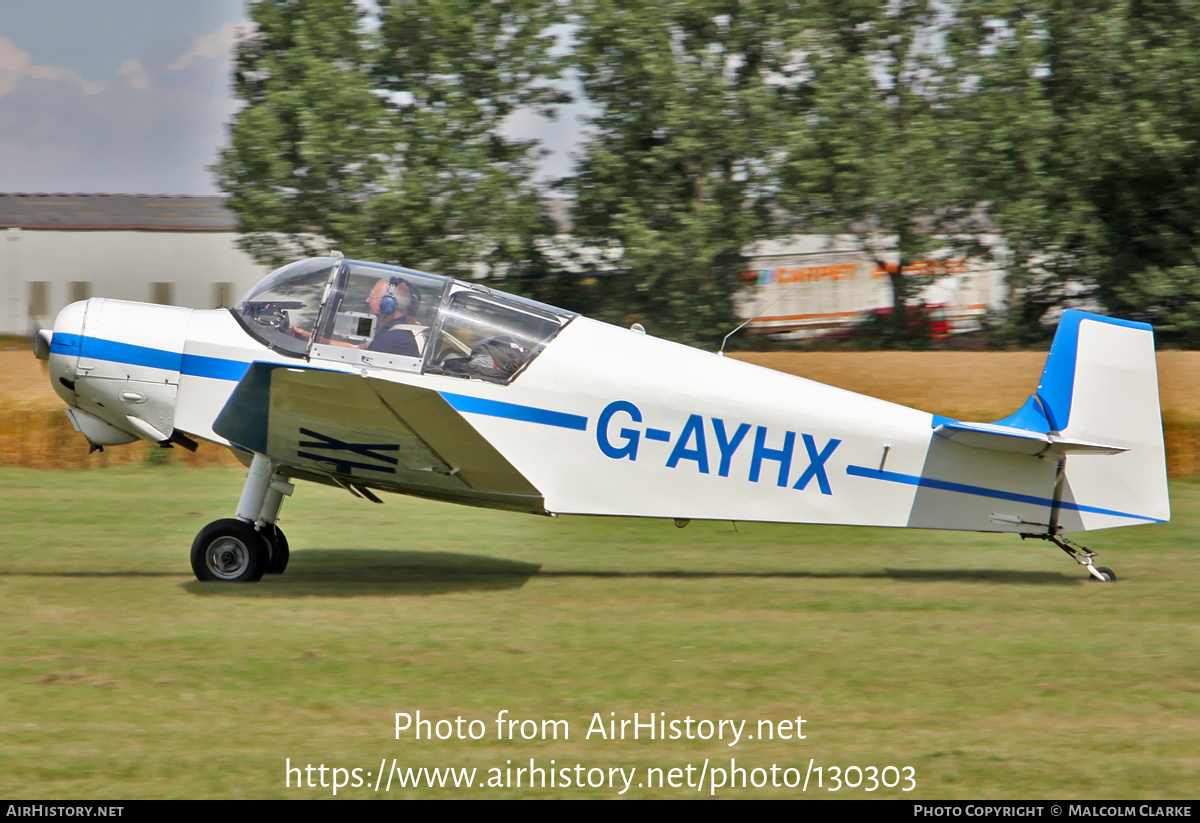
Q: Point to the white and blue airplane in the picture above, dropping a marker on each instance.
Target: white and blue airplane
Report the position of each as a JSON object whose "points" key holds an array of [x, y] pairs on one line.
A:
{"points": [[378, 378]]}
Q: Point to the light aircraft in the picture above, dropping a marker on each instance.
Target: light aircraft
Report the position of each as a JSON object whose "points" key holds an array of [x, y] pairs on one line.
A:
{"points": [[499, 401]]}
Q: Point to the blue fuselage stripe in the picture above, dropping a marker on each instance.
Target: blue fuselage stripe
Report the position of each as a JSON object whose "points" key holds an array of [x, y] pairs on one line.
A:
{"points": [[193, 365], [217, 368], [514, 411], [981, 491], [197, 365], [98, 349], [64, 343]]}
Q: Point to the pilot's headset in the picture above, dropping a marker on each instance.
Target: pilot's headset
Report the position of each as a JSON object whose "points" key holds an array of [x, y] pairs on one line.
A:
{"points": [[388, 304]]}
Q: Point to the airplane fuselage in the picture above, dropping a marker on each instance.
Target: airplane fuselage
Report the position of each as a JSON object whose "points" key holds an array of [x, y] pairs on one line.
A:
{"points": [[592, 419]]}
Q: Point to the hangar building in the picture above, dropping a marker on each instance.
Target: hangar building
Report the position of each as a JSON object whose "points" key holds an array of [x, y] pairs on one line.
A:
{"points": [[59, 248], [182, 251]]}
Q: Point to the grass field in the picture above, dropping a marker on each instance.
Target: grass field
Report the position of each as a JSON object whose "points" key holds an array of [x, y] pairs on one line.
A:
{"points": [[987, 664]]}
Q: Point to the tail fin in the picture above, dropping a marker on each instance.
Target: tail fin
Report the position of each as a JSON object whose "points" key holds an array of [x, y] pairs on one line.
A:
{"points": [[1100, 385]]}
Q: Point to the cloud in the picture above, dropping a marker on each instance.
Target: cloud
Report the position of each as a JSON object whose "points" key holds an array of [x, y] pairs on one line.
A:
{"points": [[135, 74], [147, 129], [215, 46], [16, 65], [12, 59]]}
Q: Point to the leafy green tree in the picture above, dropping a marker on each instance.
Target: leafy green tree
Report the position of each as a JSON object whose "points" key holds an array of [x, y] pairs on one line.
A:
{"points": [[458, 193], [1145, 187], [1084, 135], [1073, 127], [1020, 161], [383, 136], [676, 166], [875, 148], [307, 146]]}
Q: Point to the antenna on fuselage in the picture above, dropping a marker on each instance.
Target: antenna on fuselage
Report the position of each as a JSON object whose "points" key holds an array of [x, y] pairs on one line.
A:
{"points": [[725, 339]]}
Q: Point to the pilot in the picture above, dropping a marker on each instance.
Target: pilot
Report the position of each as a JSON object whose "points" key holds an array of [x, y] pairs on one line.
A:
{"points": [[394, 302]]}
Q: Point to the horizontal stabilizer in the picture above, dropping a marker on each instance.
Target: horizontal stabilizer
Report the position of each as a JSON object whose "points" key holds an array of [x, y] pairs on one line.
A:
{"points": [[1019, 441]]}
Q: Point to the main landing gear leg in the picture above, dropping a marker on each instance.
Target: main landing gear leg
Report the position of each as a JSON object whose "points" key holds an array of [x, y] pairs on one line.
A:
{"points": [[1083, 556], [243, 549], [268, 513]]}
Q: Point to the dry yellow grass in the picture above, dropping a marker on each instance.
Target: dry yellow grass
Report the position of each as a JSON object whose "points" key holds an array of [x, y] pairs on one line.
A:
{"points": [[983, 386], [25, 383], [967, 385], [35, 434], [957, 384]]}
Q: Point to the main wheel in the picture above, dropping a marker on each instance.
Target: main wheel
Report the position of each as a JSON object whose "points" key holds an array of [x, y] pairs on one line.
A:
{"points": [[278, 546], [1109, 574], [229, 550]]}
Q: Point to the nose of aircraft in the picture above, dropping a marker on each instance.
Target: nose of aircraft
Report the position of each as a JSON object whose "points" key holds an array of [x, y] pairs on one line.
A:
{"points": [[63, 349], [116, 364]]}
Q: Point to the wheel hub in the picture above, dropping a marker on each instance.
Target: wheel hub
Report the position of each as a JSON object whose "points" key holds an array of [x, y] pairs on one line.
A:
{"points": [[228, 557]]}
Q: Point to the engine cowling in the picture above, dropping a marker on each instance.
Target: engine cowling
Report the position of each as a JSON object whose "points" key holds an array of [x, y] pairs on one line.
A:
{"points": [[117, 365]]}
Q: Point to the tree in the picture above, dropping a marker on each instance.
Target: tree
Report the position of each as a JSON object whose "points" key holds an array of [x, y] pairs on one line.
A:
{"points": [[306, 148], [874, 149], [457, 193], [1085, 142], [386, 140], [676, 165], [1145, 185]]}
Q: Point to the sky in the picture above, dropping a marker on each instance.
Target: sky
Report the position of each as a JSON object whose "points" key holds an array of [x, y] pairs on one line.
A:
{"points": [[132, 96]]}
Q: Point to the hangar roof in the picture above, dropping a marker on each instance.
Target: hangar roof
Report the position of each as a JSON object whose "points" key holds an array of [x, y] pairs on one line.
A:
{"points": [[143, 212], [148, 212]]}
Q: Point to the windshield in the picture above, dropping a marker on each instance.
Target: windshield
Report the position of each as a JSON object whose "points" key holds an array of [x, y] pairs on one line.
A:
{"points": [[282, 310]]}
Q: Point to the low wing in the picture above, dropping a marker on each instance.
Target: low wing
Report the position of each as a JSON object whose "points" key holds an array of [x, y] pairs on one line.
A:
{"points": [[363, 432]]}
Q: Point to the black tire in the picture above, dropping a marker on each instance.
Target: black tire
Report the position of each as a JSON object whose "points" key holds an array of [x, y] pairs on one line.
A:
{"points": [[229, 551], [1109, 574], [277, 547]]}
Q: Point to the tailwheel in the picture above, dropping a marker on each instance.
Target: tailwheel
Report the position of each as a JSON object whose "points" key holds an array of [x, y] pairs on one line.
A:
{"points": [[1102, 573], [1081, 555], [231, 551], [277, 547]]}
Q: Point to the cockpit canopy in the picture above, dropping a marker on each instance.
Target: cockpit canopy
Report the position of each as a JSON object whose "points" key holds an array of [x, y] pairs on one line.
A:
{"points": [[382, 316]]}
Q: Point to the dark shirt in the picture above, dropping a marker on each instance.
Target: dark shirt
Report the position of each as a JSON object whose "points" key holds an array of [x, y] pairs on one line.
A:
{"points": [[395, 341]]}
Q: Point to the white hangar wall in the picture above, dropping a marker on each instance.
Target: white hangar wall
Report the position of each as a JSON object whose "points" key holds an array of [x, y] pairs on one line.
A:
{"points": [[46, 269]]}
